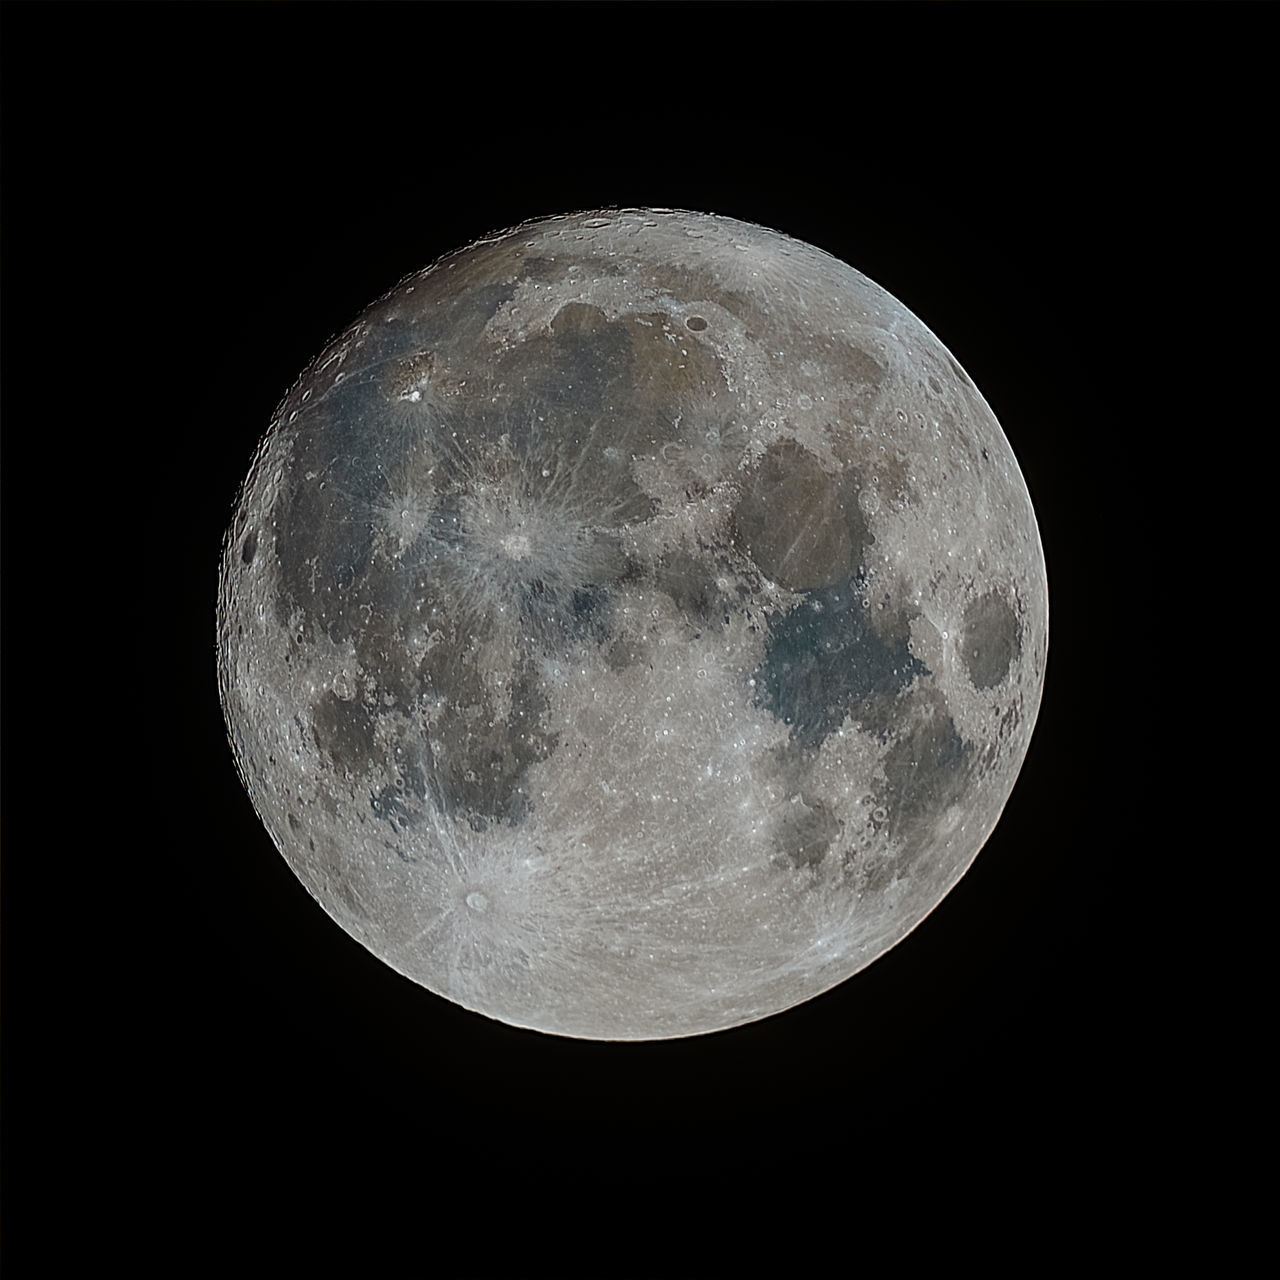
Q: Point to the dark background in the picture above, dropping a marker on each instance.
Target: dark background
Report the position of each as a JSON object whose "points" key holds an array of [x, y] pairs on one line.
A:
{"points": [[194, 200]]}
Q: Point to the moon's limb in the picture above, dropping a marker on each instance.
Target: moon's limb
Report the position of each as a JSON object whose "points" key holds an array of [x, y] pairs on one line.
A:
{"points": [[632, 625]]}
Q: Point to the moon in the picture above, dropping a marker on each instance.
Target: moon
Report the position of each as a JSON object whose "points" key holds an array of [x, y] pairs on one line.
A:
{"points": [[632, 625]]}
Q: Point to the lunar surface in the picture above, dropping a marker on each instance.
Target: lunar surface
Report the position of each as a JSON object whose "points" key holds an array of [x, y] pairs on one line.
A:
{"points": [[632, 625]]}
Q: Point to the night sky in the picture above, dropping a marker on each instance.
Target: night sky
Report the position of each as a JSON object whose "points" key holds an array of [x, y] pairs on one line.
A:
{"points": [[194, 200]]}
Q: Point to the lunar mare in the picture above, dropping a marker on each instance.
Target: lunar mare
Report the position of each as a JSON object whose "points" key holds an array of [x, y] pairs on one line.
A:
{"points": [[632, 625]]}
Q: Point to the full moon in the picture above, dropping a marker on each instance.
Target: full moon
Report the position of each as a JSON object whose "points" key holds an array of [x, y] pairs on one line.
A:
{"points": [[632, 625]]}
